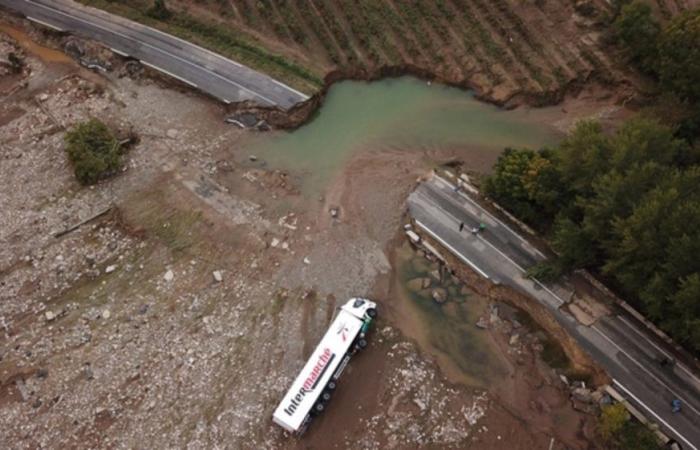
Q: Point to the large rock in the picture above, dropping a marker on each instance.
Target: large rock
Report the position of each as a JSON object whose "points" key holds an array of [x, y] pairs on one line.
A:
{"points": [[415, 285], [439, 295]]}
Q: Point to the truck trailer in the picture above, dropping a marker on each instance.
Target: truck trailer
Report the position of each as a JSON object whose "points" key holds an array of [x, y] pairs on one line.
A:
{"points": [[313, 387]]}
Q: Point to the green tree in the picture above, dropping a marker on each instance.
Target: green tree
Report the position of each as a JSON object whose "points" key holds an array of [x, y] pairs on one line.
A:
{"points": [[637, 30], [583, 156], [612, 419], [679, 56], [92, 150]]}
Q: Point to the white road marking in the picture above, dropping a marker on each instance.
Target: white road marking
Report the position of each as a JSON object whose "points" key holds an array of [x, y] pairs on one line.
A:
{"points": [[522, 270], [685, 402], [470, 200], [167, 73], [665, 353], [119, 52], [145, 44], [450, 248], [46, 24], [656, 416]]}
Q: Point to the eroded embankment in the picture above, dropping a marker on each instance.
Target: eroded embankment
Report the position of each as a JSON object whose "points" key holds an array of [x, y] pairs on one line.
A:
{"points": [[580, 361], [303, 112]]}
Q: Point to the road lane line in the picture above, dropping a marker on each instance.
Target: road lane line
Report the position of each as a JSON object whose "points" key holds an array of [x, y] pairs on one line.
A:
{"points": [[119, 52], [656, 416], [164, 52], [153, 66], [452, 249], [491, 216], [523, 271], [664, 352], [685, 402], [46, 24]]}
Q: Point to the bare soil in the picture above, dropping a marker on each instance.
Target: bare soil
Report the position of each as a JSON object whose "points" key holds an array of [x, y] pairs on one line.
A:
{"points": [[116, 334]]}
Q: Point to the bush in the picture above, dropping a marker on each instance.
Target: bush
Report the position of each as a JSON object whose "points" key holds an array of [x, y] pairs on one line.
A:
{"points": [[620, 432], [159, 11], [637, 30], [679, 56], [93, 151]]}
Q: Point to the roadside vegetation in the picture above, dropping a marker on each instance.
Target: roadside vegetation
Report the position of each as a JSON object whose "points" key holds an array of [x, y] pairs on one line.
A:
{"points": [[502, 48], [621, 432], [93, 151], [626, 205], [215, 36]]}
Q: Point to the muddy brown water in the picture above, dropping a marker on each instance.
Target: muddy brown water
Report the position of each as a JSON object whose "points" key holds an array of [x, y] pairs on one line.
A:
{"points": [[465, 353], [25, 40], [399, 113]]}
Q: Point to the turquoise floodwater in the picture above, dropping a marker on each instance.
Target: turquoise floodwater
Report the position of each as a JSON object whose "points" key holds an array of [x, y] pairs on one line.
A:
{"points": [[401, 113]]}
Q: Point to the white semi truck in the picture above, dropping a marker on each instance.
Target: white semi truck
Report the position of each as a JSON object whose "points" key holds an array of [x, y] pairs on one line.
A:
{"points": [[312, 389]]}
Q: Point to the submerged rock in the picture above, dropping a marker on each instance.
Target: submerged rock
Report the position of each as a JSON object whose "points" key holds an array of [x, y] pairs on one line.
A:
{"points": [[439, 295]]}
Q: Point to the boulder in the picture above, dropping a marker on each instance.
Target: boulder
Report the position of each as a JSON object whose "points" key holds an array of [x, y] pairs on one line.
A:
{"points": [[415, 285], [439, 295]]}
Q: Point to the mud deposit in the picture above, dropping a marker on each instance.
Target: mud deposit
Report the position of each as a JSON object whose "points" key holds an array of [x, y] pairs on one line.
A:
{"points": [[404, 114], [115, 332], [448, 330]]}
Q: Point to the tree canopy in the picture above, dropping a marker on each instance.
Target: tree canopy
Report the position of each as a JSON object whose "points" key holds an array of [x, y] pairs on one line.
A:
{"points": [[626, 205]]}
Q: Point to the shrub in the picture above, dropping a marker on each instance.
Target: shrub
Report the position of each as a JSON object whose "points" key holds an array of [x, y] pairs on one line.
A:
{"points": [[638, 31], [159, 11], [92, 150]]}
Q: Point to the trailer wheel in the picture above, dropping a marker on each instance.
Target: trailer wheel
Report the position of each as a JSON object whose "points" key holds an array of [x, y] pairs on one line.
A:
{"points": [[331, 385], [362, 343], [325, 396], [319, 408], [372, 313]]}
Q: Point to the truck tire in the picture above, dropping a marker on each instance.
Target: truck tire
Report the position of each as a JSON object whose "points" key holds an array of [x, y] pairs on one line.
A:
{"points": [[326, 396], [372, 313], [319, 408], [361, 343], [331, 385]]}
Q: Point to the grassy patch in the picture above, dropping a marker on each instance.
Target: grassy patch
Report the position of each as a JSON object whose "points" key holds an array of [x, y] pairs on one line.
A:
{"points": [[219, 38]]}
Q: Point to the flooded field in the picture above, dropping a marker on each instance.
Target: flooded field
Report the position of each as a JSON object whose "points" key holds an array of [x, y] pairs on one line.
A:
{"points": [[403, 114], [446, 330]]}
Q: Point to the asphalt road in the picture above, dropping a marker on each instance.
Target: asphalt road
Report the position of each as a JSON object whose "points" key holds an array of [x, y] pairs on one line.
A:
{"points": [[625, 349], [220, 77]]}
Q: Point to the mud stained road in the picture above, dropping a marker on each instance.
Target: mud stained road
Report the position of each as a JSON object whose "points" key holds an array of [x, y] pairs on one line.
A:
{"points": [[117, 333]]}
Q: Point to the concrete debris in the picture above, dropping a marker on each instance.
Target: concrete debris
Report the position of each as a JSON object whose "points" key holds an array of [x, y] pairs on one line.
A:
{"points": [[110, 269], [275, 242], [514, 340], [307, 260], [49, 316], [172, 133], [218, 277], [169, 276]]}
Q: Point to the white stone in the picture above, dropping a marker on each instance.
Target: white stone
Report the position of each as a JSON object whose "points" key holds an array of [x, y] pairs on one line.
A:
{"points": [[106, 314], [169, 275], [171, 133], [49, 316], [217, 276], [307, 260], [110, 269], [275, 242], [285, 245]]}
